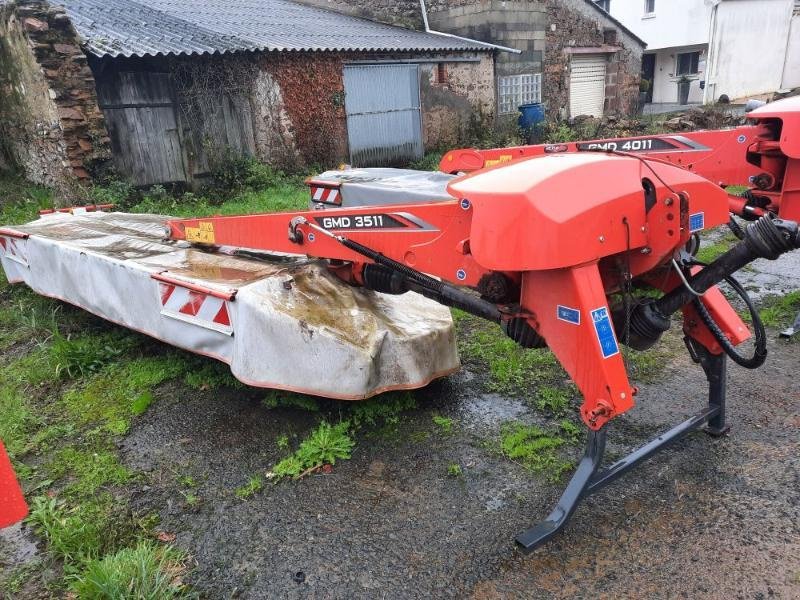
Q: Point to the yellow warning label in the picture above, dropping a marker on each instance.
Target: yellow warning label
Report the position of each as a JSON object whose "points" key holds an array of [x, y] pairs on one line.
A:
{"points": [[204, 234], [503, 158]]}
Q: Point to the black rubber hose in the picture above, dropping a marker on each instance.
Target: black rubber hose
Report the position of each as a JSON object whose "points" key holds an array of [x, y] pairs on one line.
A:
{"points": [[760, 352]]}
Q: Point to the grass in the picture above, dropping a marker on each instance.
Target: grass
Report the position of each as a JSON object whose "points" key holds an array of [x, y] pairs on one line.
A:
{"points": [[537, 448], [326, 444], [144, 572], [714, 250], [254, 485], [455, 470], [445, 424], [780, 311]]}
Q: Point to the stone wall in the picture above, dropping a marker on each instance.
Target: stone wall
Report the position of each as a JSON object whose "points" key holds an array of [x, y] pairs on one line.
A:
{"points": [[464, 98], [53, 129], [574, 24]]}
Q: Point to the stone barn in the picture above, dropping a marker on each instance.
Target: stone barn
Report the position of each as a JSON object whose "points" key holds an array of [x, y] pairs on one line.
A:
{"points": [[162, 88]]}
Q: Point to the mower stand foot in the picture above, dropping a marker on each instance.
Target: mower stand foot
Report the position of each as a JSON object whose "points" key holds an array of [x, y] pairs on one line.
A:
{"points": [[589, 478], [535, 536], [793, 330]]}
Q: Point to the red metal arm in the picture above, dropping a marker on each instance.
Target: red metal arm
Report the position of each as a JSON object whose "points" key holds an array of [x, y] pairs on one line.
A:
{"points": [[764, 156], [546, 222]]}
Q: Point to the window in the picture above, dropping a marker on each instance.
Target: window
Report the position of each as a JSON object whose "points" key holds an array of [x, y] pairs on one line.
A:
{"points": [[514, 90], [687, 63], [649, 7], [604, 4]]}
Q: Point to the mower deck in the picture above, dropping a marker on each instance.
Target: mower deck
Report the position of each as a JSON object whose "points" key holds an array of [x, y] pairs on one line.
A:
{"points": [[280, 321]]}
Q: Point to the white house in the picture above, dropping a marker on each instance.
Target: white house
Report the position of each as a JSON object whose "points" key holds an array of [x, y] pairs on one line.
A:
{"points": [[739, 48], [677, 33], [754, 48]]}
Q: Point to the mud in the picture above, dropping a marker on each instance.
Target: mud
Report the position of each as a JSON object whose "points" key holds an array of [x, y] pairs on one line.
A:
{"points": [[712, 518]]}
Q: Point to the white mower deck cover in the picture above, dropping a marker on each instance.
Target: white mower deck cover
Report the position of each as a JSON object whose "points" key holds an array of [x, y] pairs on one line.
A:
{"points": [[279, 321]]}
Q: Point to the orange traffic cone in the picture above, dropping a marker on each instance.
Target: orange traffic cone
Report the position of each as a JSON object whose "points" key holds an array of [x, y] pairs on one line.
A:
{"points": [[12, 503]]}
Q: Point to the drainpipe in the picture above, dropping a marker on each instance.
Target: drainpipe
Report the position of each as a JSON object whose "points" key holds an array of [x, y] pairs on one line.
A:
{"points": [[424, 11]]}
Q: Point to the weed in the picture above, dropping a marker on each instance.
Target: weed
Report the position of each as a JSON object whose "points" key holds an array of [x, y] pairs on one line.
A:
{"points": [[455, 470], [113, 191], [648, 365], [429, 162], [22, 201], [282, 442], [534, 448], [208, 374], [511, 367], [74, 536], [324, 446], [145, 572], [280, 399], [190, 499], [445, 424], [570, 429], [714, 250], [779, 311], [13, 582], [187, 481], [385, 409], [554, 400], [252, 487], [82, 355]]}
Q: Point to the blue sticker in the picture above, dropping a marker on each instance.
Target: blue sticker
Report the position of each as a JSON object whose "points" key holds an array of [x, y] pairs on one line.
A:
{"points": [[741, 139], [311, 236], [461, 274], [697, 221], [465, 204], [570, 315], [605, 332]]}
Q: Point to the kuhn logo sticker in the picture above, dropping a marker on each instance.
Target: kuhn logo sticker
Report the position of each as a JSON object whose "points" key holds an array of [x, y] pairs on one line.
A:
{"points": [[604, 332], [569, 315]]}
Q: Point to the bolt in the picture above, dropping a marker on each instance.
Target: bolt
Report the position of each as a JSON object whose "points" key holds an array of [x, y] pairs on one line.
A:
{"points": [[669, 201], [646, 250], [602, 239]]}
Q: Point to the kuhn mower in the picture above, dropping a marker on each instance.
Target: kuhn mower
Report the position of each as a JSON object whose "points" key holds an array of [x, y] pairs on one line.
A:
{"points": [[563, 246]]}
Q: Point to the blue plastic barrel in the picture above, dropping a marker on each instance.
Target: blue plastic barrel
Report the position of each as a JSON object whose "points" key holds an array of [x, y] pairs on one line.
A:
{"points": [[530, 115]]}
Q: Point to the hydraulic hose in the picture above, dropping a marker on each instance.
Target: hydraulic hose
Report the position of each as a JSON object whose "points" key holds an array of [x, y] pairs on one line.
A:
{"points": [[766, 238]]}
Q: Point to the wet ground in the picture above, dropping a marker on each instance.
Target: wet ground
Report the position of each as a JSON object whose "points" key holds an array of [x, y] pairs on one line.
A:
{"points": [[708, 518], [715, 518]]}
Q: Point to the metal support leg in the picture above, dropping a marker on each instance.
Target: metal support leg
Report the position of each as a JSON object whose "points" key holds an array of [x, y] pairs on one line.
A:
{"points": [[556, 520], [589, 478], [716, 368], [793, 330]]}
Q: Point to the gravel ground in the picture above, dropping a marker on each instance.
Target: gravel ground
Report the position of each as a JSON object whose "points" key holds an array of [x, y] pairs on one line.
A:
{"points": [[709, 518], [713, 518]]}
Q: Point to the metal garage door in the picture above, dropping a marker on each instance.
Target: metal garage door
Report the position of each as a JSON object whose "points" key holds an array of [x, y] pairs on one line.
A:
{"points": [[587, 84], [383, 114]]}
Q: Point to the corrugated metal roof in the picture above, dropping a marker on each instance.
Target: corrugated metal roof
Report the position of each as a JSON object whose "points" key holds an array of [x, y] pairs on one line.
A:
{"points": [[161, 27]]}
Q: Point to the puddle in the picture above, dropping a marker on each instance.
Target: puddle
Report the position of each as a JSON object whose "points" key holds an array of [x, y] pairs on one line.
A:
{"points": [[491, 410], [17, 545]]}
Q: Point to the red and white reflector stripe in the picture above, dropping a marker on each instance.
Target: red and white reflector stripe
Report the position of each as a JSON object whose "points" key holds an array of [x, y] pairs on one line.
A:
{"points": [[13, 249], [194, 307], [327, 192]]}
